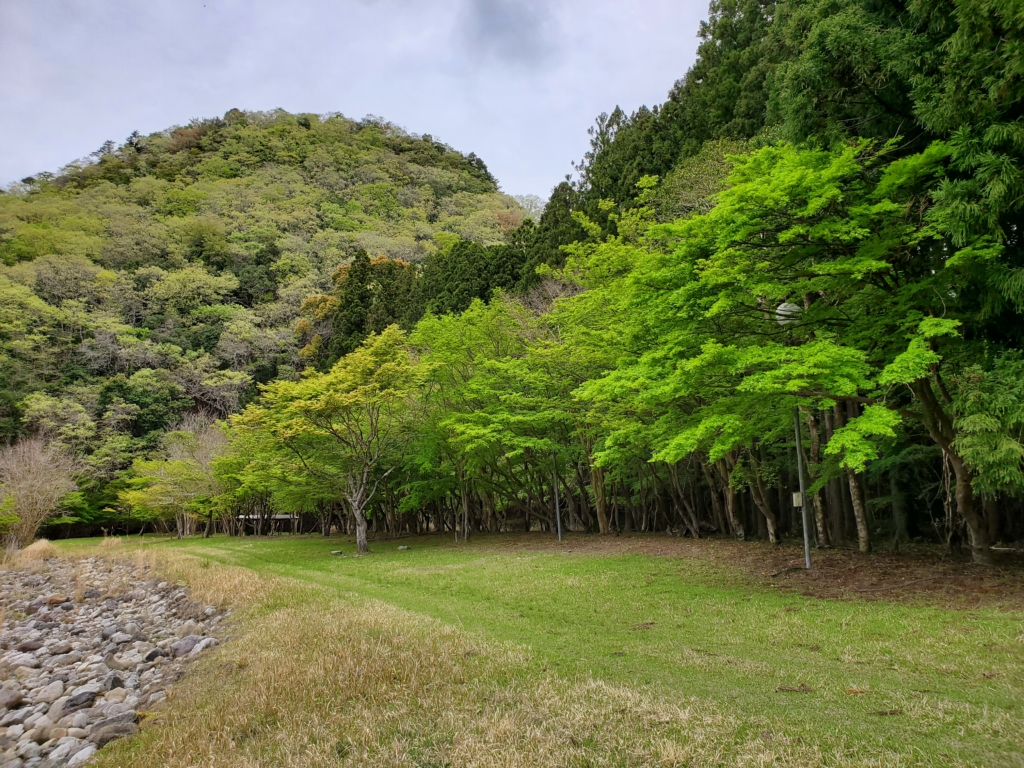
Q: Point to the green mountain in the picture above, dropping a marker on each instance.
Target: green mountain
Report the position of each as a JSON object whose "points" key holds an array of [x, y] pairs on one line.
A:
{"points": [[171, 272]]}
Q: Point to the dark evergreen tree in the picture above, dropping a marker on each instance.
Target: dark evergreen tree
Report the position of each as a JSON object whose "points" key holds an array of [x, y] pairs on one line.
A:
{"points": [[556, 228], [354, 295], [455, 276]]}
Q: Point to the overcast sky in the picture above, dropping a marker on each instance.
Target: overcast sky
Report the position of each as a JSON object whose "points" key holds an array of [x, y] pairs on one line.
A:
{"points": [[516, 81]]}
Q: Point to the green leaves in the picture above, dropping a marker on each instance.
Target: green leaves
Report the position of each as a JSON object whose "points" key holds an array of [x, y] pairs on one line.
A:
{"points": [[989, 408], [857, 442], [919, 359]]}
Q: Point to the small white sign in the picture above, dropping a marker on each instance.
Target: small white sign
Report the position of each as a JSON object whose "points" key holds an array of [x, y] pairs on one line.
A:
{"points": [[798, 499]]}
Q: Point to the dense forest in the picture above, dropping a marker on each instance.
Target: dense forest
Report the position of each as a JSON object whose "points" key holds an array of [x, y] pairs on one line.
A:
{"points": [[335, 321]]}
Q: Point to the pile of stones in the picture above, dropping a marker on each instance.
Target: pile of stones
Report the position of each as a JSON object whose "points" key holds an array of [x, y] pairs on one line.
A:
{"points": [[86, 648]]}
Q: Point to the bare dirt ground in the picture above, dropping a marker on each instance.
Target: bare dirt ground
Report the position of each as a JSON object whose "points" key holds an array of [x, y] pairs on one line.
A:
{"points": [[919, 574]]}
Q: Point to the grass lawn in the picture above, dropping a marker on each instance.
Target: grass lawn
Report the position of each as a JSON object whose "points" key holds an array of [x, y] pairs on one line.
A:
{"points": [[611, 658]]}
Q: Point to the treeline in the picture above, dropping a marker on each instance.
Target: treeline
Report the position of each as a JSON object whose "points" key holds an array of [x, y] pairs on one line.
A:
{"points": [[659, 390]]}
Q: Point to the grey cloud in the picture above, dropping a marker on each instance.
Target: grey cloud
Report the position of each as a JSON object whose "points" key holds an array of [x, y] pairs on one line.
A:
{"points": [[509, 31]]}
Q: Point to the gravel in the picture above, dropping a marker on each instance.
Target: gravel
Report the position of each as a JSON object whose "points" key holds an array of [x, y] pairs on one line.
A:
{"points": [[86, 647]]}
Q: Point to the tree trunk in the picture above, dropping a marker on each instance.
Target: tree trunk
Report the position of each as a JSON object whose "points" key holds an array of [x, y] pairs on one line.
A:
{"points": [[724, 468], [940, 428], [834, 492], [992, 519], [981, 551], [813, 463], [465, 509], [600, 498], [361, 545], [860, 512], [689, 517], [716, 501], [759, 493], [357, 501], [584, 509]]}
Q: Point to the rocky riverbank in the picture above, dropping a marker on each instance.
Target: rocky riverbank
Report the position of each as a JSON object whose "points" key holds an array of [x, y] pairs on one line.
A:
{"points": [[86, 648]]}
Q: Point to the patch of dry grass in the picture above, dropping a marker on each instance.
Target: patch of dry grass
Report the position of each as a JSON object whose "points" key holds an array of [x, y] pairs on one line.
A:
{"points": [[310, 679], [110, 541], [38, 551]]}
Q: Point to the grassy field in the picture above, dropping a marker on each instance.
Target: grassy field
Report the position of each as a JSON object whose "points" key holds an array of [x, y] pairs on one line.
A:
{"points": [[510, 651]]}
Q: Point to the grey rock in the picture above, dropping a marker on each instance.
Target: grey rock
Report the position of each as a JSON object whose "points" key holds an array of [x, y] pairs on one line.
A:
{"points": [[87, 667], [185, 645], [51, 692], [28, 750], [111, 682], [82, 755], [15, 660], [209, 642], [15, 717], [56, 710], [107, 734], [42, 728], [10, 699], [62, 750], [79, 700]]}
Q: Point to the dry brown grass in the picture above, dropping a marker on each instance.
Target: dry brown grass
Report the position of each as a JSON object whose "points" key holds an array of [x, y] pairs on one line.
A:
{"points": [[37, 551], [310, 679], [110, 541]]}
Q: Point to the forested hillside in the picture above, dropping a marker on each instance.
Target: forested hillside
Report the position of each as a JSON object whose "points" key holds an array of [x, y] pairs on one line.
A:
{"points": [[820, 227], [170, 275]]}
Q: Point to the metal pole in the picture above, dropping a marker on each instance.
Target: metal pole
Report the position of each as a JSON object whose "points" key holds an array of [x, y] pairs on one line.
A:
{"points": [[558, 506], [803, 490]]}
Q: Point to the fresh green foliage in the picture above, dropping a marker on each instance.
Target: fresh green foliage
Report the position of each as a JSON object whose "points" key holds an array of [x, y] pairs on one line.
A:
{"points": [[674, 360]]}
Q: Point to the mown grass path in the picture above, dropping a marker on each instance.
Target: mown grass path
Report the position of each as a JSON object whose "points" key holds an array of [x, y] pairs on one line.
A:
{"points": [[933, 685]]}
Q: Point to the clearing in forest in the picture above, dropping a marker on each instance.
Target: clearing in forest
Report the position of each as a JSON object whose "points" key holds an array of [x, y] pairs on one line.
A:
{"points": [[516, 651]]}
